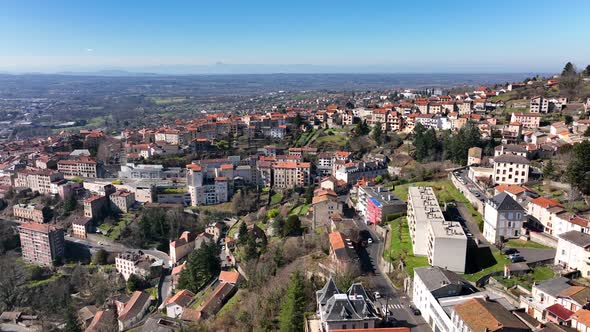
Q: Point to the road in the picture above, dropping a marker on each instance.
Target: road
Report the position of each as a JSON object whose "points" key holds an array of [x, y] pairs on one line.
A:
{"points": [[463, 175], [395, 300]]}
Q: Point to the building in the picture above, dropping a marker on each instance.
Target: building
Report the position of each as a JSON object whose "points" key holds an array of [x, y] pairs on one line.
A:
{"points": [[343, 255], [528, 120], [433, 284], [379, 203], [41, 244], [205, 188], [573, 252], [134, 310], [129, 263], [511, 169], [539, 104], [212, 304], [289, 175], [351, 172], [94, 206], [85, 167], [215, 230], [324, 204], [443, 242], [474, 156], [176, 304], [81, 227], [37, 180], [343, 311], [122, 201], [29, 212], [185, 244], [542, 213], [476, 315], [503, 218]]}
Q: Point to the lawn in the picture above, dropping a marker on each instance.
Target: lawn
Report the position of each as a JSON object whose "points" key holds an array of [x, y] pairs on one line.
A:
{"points": [[404, 247], [445, 192], [336, 139], [276, 198], [220, 208], [525, 244], [540, 273], [500, 261], [37, 283], [300, 210]]}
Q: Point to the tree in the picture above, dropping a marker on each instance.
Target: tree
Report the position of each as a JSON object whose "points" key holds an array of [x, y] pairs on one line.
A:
{"points": [[70, 204], [134, 282], [568, 119], [292, 226], [237, 202], [587, 132], [549, 169], [72, 324], [298, 120], [100, 257], [587, 70], [377, 133], [362, 128], [251, 251], [202, 265], [243, 233], [569, 69], [578, 169], [293, 307]]}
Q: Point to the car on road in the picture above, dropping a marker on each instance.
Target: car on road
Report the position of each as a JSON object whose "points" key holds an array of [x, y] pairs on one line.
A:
{"points": [[510, 251], [477, 194], [415, 310], [377, 295], [369, 240], [516, 258]]}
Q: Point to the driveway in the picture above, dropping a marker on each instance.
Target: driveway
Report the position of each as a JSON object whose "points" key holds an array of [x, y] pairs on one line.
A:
{"points": [[534, 255]]}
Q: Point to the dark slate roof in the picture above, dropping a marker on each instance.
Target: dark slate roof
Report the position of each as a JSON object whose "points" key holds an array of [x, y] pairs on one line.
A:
{"points": [[357, 289], [435, 277], [554, 286], [505, 202], [578, 238], [327, 292], [510, 158]]}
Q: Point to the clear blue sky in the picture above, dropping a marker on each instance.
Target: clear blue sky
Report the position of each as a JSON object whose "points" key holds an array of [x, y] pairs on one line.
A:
{"points": [[419, 35]]}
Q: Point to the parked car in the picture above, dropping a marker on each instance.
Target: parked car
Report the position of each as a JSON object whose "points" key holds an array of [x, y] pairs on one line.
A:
{"points": [[415, 310], [517, 259], [369, 240], [377, 295], [510, 251]]}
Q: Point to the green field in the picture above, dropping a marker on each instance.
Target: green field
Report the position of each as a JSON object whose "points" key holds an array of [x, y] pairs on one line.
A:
{"points": [[404, 247], [300, 210], [168, 100], [525, 244], [276, 199]]}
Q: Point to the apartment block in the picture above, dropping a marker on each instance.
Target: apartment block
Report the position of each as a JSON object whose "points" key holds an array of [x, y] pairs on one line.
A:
{"points": [[376, 203], [443, 242], [129, 263], [205, 184], [539, 104], [122, 200], [41, 244], [85, 167], [503, 218], [527, 120], [29, 212], [289, 175], [511, 169], [38, 180], [573, 252]]}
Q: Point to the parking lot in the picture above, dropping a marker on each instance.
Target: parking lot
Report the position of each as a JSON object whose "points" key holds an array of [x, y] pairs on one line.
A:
{"points": [[463, 177]]}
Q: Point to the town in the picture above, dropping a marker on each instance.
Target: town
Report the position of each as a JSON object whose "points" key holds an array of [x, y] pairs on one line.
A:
{"points": [[447, 208]]}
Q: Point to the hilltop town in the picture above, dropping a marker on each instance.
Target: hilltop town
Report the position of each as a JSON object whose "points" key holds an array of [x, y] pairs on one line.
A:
{"points": [[447, 208]]}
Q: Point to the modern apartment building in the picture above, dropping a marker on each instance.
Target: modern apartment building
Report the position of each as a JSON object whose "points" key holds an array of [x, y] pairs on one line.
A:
{"points": [[41, 244], [376, 203], [443, 242], [205, 190], [539, 104]]}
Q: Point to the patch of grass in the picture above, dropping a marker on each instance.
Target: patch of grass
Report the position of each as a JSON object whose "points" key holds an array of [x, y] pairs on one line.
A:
{"points": [[500, 261], [525, 244], [201, 296], [300, 210], [276, 199], [540, 273], [232, 232], [231, 307], [404, 247], [333, 140], [37, 283], [172, 191], [153, 291], [220, 208]]}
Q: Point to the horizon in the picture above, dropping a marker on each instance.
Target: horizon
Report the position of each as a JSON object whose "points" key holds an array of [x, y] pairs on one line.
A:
{"points": [[305, 37]]}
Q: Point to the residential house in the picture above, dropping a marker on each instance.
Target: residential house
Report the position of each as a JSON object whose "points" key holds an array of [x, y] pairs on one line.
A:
{"points": [[511, 169], [140, 264], [81, 227], [484, 315], [343, 254], [185, 244], [324, 204], [503, 218], [134, 310], [573, 252], [176, 304], [122, 201]]}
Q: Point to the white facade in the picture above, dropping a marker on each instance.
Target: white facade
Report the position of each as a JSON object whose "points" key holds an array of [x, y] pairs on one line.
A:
{"points": [[573, 252], [503, 223]]}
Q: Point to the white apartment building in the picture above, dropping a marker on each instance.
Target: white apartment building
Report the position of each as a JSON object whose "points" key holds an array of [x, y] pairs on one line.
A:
{"points": [[133, 263], [503, 218], [573, 252], [511, 169], [444, 242], [539, 105]]}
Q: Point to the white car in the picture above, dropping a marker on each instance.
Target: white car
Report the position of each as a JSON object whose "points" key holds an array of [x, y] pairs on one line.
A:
{"points": [[377, 295], [369, 240]]}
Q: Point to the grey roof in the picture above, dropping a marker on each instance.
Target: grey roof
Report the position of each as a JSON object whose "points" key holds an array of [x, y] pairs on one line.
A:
{"points": [[505, 202], [357, 289], [435, 277], [578, 238], [554, 286], [327, 291], [515, 267], [511, 158]]}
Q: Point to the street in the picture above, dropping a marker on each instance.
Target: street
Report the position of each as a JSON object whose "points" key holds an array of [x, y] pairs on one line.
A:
{"points": [[395, 300]]}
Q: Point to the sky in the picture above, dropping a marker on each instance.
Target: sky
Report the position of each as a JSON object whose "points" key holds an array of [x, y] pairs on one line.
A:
{"points": [[321, 35]]}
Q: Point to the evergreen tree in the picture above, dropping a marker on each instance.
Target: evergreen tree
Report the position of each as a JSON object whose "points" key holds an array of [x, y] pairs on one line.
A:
{"points": [[134, 282], [587, 132], [202, 265], [251, 251], [587, 70], [568, 70], [549, 169], [377, 133], [72, 324], [293, 307], [362, 128], [578, 170], [243, 233], [292, 226]]}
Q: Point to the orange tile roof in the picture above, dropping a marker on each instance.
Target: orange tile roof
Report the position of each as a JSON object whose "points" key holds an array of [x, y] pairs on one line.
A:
{"points": [[337, 240], [229, 276], [194, 167], [290, 164], [582, 316], [545, 202]]}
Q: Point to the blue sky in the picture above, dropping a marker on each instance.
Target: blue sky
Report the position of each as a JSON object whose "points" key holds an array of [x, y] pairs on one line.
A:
{"points": [[392, 36]]}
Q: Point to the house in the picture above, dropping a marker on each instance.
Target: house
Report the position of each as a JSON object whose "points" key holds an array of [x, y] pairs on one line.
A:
{"points": [[215, 230], [101, 321], [212, 304], [528, 120], [346, 311], [129, 263], [503, 218], [81, 227], [30, 212], [581, 320], [94, 206], [175, 274], [484, 315], [185, 244], [231, 277], [324, 204], [176, 304], [343, 255], [122, 201], [474, 156], [86, 315], [517, 192], [541, 213], [511, 169], [134, 310], [573, 252], [539, 104]]}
